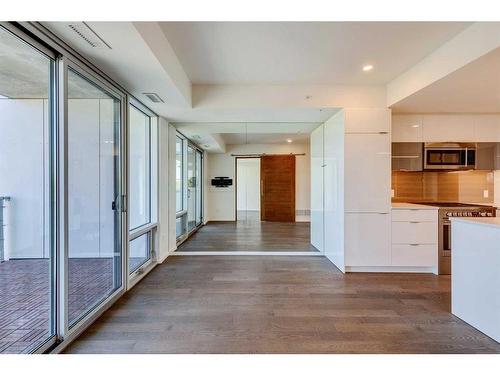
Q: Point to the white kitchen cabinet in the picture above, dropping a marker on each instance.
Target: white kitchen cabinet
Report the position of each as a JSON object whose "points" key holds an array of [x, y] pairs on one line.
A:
{"points": [[333, 172], [367, 120], [317, 188], [413, 255], [448, 128], [367, 239], [414, 238], [414, 215], [367, 173], [407, 128], [414, 232], [487, 128]]}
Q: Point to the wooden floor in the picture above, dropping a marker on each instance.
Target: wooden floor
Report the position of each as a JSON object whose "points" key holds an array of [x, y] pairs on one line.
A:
{"points": [[25, 301], [250, 234], [279, 304]]}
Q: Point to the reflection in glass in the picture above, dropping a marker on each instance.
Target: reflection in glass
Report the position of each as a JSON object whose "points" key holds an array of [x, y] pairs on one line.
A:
{"points": [[199, 181], [139, 168], [191, 188], [139, 251], [26, 247], [94, 252], [179, 172]]}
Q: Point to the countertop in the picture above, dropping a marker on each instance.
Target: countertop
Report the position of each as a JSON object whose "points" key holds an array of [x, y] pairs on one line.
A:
{"points": [[483, 221], [411, 206]]}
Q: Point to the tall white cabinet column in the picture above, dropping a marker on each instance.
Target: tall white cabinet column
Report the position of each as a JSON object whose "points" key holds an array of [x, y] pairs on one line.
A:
{"points": [[356, 222], [367, 188], [317, 188]]}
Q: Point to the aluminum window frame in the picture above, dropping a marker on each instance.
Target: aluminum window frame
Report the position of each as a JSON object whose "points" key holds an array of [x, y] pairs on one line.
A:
{"points": [[53, 165], [42, 39], [184, 213], [150, 228], [120, 193]]}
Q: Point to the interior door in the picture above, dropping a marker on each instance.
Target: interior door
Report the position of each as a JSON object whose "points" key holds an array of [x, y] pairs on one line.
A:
{"points": [[277, 173]]}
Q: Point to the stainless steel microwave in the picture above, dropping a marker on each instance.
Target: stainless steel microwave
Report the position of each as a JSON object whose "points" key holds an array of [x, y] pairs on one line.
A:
{"points": [[449, 156]]}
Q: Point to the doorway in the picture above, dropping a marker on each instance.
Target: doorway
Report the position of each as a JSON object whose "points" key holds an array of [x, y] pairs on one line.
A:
{"points": [[248, 185]]}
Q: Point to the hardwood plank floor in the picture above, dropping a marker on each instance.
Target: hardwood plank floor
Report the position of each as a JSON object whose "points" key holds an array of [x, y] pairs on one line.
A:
{"points": [[250, 235], [277, 304]]}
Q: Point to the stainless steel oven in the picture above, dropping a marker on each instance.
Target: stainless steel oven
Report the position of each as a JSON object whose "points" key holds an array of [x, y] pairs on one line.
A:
{"points": [[446, 211], [449, 156]]}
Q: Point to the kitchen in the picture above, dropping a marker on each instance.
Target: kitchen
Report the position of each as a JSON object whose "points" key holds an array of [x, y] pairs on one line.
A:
{"points": [[449, 162], [452, 162], [396, 189]]}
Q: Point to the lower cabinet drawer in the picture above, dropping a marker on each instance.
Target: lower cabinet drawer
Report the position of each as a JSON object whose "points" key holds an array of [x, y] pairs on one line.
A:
{"points": [[414, 233], [414, 255]]}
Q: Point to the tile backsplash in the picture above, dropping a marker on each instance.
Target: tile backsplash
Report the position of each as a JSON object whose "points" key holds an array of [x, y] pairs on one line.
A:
{"points": [[462, 186]]}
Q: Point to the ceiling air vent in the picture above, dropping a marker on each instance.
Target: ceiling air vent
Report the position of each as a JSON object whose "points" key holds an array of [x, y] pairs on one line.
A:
{"points": [[155, 98], [85, 32]]}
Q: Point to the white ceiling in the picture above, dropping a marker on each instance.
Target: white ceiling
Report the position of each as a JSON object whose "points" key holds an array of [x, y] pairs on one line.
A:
{"points": [[213, 137], [242, 139], [246, 127], [473, 88], [303, 52]]}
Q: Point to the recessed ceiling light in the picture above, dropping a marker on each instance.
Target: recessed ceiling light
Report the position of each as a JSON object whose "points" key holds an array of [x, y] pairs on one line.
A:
{"points": [[289, 140], [415, 126], [367, 68]]}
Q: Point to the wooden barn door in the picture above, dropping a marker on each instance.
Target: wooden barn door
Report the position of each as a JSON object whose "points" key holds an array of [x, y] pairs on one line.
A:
{"points": [[277, 174]]}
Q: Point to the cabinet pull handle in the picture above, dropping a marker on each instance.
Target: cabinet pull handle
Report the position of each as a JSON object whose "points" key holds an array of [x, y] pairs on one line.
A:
{"points": [[414, 222], [414, 244]]}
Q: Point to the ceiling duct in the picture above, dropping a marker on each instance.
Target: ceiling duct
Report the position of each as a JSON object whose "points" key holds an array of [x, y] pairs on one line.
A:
{"points": [[86, 33], [155, 98]]}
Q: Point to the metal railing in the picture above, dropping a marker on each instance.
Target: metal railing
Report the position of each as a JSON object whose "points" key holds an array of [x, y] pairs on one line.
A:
{"points": [[3, 224]]}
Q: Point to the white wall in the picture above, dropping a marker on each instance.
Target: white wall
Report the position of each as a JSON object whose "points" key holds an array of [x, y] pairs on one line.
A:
{"points": [[166, 192], [91, 177], [24, 174], [172, 245], [248, 184], [221, 201]]}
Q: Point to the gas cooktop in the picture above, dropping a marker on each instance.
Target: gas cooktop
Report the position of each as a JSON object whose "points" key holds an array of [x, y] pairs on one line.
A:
{"points": [[450, 204]]}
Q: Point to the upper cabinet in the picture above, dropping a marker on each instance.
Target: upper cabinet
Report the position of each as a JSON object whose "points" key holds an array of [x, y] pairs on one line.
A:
{"points": [[367, 120], [407, 128], [446, 128], [367, 173]]}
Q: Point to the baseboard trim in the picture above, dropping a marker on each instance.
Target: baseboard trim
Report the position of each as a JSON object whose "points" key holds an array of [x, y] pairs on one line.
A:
{"points": [[390, 269], [247, 253]]}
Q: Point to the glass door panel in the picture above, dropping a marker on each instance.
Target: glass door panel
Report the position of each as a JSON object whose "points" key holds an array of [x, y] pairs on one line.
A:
{"points": [[199, 193], [93, 162], [139, 168], [27, 312], [191, 188]]}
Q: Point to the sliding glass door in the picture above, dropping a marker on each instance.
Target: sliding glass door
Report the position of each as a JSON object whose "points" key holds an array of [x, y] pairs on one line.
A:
{"points": [[194, 187], [94, 195], [189, 187], [27, 272]]}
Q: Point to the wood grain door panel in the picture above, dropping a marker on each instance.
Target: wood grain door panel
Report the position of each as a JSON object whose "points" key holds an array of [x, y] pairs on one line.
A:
{"points": [[277, 173]]}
